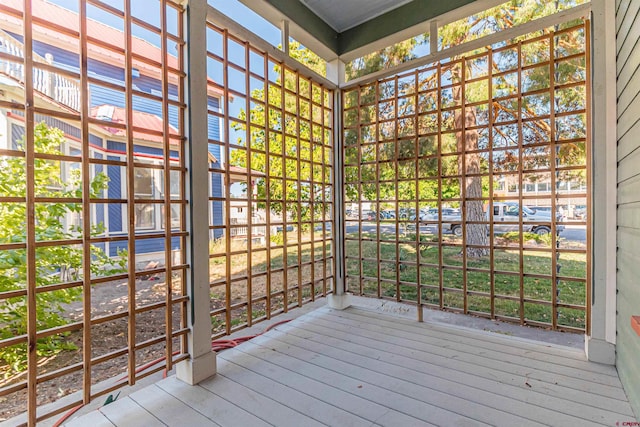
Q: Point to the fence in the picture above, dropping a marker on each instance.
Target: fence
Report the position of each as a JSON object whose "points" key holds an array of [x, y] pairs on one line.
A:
{"points": [[272, 155], [88, 188], [440, 158]]}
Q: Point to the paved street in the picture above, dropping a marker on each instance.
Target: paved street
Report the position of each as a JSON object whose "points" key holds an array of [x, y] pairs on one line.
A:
{"points": [[576, 233]]}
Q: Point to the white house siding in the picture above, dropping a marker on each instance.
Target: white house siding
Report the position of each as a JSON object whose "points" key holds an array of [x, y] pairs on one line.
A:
{"points": [[628, 256]]}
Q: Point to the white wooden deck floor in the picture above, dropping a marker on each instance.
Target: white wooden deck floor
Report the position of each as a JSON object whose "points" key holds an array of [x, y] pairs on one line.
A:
{"points": [[359, 368]]}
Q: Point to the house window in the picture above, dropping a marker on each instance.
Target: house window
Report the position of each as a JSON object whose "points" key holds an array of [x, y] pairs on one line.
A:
{"points": [[512, 188], [530, 188], [543, 186], [575, 186], [145, 216], [144, 189], [175, 185], [143, 183], [74, 221], [175, 216]]}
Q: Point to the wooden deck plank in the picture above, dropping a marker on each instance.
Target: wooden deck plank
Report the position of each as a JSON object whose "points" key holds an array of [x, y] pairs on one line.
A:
{"points": [[214, 407], [170, 410], [371, 392], [395, 419], [361, 368], [570, 358], [317, 400], [452, 396], [455, 345], [256, 403], [478, 364], [497, 349], [522, 400], [125, 412], [412, 400], [411, 409], [93, 419]]}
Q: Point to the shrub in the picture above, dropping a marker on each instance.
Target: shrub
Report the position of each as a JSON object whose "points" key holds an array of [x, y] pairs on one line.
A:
{"points": [[277, 238], [54, 264]]}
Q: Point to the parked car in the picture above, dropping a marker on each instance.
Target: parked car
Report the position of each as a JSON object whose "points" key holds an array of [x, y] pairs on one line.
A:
{"points": [[387, 215], [407, 213], [447, 214], [370, 215], [506, 218], [560, 211], [411, 214], [580, 212]]}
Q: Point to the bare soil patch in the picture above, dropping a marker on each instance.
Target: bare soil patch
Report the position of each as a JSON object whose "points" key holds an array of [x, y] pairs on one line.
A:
{"points": [[107, 298]]}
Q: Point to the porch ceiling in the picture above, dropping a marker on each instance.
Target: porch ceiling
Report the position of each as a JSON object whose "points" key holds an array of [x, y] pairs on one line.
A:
{"points": [[342, 16], [344, 27]]}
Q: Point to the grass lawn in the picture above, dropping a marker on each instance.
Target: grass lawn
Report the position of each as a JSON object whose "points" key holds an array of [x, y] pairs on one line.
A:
{"points": [[308, 268], [380, 274], [537, 291]]}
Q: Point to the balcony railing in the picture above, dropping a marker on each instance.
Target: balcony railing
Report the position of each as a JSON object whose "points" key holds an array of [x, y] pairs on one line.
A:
{"points": [[59, 88]]}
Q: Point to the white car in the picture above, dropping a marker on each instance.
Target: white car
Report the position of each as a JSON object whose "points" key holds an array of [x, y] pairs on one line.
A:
{"points": [[506, 218]]}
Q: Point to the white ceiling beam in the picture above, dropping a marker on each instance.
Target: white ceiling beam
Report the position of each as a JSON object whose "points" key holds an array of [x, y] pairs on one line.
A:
{"points": [[433, 36], [284, 35]]}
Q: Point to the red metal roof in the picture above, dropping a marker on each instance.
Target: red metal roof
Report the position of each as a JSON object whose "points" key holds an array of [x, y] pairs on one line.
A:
{"points": [[149, 122], [68, 19]]}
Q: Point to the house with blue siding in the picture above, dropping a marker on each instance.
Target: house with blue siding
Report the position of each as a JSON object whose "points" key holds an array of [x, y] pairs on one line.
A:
{"points": [[107, 102]]}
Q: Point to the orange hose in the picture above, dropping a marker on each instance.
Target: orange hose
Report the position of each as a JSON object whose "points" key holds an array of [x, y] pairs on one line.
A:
{"points": [[67, 415]]}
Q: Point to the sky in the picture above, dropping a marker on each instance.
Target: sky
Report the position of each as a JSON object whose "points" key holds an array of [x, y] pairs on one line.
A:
{"points": [[145, 10], [148, 11], [248, 19]]}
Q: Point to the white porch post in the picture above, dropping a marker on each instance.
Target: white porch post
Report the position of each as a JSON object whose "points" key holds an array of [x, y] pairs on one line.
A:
{"points": [[284, 30], [202, 363], [339, 299], [600, 345]]}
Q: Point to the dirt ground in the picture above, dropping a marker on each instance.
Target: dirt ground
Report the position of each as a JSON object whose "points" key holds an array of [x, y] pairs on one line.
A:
{"points": [[111, 298], [107, 298]]}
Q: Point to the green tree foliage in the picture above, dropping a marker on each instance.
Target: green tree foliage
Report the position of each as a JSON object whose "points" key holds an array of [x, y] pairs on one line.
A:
{"points": [[539, 78], [383, 58], [403, 149], [283, 147], [308, 58], [453, 72], [55, 263]]}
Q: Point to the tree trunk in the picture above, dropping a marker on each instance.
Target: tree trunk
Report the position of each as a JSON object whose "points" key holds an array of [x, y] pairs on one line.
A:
{"points": [[469, 168]]}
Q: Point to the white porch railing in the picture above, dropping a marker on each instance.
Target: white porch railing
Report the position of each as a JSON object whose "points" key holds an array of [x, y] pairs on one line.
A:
{"points": [[61, 89], [257, 232]]}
